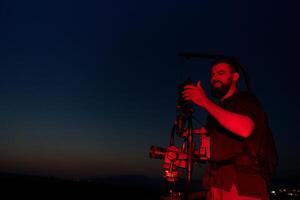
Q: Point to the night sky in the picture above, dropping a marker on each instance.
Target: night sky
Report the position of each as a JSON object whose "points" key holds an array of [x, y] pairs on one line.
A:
{"points": [[86, 87]]}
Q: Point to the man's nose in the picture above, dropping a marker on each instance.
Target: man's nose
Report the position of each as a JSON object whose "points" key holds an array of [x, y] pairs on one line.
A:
{"points": [[214, 79]]}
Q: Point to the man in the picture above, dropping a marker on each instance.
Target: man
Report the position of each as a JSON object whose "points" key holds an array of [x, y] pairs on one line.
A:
{"points": [[242, 149]]}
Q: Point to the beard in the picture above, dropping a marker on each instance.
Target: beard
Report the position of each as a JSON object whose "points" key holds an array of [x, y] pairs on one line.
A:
{"points": [[221, 91]]}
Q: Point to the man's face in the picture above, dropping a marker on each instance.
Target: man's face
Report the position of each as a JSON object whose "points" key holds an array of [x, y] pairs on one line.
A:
{"points": [[221, 78]]}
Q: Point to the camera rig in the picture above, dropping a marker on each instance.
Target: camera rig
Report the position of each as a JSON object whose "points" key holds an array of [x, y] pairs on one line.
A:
{"points": [[182, 157]]}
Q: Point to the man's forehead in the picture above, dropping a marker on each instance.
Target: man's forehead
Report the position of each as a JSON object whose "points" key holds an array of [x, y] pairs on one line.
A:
{"points": [[220, 66]]}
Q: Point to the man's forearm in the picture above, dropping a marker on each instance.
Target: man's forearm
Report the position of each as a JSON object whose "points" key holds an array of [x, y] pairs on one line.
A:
{"points": [[238, 124]]}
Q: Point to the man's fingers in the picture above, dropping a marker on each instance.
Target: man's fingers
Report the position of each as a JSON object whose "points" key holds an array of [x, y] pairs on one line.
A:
{"points": [[198, 84], [185, 92], [188, 97], [191, 90]]}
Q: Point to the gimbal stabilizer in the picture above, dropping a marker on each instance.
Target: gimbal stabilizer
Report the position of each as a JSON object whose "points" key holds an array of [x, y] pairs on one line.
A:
{"points": [[184, 156]]}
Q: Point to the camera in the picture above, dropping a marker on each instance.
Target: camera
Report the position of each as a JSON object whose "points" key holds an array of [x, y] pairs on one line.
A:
{"points": [[183, 105]]}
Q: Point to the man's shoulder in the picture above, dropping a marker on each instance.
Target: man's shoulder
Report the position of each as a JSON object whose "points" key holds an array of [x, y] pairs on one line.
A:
{"points": [[245, 96], [244, 100]]}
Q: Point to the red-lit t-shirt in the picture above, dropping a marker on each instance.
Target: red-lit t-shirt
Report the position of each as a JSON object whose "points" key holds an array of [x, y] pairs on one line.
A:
{"points": [[226, 145]]}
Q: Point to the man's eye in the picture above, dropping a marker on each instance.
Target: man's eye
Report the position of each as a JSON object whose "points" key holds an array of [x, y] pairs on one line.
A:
{"points": [[220, 73]]}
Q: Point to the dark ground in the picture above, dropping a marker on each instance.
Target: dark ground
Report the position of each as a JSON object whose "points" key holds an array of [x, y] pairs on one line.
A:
{"points": [[118, 187], [35, 187]]}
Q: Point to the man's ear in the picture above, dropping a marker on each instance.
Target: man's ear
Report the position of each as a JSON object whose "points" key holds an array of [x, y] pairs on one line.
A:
{"points": [[236, 76]]}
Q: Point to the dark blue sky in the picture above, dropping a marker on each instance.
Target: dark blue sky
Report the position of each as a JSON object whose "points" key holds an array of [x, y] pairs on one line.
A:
{"points": [[88, 86]]}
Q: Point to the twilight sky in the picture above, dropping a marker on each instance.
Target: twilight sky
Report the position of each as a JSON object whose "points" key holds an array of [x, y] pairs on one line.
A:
{"points": [[88, 86]]}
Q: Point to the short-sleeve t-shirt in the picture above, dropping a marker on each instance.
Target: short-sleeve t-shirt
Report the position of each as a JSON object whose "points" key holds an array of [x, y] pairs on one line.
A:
{"points": [[225, 145]]}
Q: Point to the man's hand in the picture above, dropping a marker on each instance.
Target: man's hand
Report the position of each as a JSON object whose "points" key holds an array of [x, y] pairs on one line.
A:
{"points": [[196, 94]]}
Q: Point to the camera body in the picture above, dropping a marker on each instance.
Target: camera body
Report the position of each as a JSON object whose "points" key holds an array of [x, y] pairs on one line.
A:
{"points": [[183, 105]]}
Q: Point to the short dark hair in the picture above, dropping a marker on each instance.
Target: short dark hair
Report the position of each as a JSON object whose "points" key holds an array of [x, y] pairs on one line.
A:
{"points": [[230, 62]]}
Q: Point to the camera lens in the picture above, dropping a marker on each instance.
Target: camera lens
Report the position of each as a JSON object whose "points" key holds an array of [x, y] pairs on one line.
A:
{"points": [[157, 152]]}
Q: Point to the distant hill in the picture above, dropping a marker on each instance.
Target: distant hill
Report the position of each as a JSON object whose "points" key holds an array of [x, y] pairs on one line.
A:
{"points": [[144, 181], [128, 180], [38, 187], [113, 187]]}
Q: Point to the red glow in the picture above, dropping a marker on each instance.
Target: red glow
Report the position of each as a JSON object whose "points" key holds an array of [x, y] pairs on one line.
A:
{"points": [[216, 193]]}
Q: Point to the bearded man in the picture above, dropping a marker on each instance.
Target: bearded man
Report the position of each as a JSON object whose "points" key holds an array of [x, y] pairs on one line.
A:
{"points": [[240, 137]]}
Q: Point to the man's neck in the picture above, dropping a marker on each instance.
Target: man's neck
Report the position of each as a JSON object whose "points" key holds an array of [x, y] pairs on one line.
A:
{"points": [[231, 91]]}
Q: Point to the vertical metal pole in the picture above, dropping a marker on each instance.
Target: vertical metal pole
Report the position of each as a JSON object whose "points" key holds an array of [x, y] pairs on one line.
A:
{"points": [[190, 151]]}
